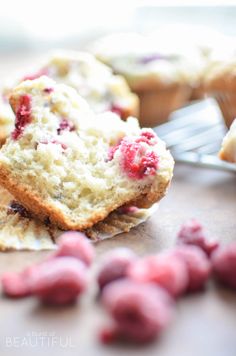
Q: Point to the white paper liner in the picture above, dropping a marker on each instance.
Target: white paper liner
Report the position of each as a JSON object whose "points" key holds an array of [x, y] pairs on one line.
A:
{"points": [[25, 233]]}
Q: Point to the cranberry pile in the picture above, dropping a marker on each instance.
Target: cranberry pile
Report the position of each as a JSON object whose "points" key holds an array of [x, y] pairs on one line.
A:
{"points": [[139, 294]]}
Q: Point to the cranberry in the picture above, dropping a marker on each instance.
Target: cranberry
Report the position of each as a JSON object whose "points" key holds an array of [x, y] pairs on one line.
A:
{"points": [[192, 233], [58, 281], [111, 152], [148, 137], [16, 208], [40, 73], [136, 162], [107, 335], [115, 266], [16, 285], [118, 110], [65, 125], [168, 271], [198, 265], [75, 244], [48, 90], [23, 116], [140, 311], [224, 265]]}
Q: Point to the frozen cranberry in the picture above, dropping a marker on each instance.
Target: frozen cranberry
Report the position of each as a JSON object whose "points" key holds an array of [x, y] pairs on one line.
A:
{"points": [[136, 162], [16, 208], [198, 265], [140, 311], [224, 265], [23, 116], [15, 285], [115, 265], [65, 125], [152, 58], [192, 233], [43, 71], [75, 244], [168, 271], [58, 281], [107, 335]]}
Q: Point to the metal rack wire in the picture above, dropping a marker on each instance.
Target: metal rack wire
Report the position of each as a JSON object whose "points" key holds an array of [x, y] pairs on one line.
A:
{"points": [[194, 135]]}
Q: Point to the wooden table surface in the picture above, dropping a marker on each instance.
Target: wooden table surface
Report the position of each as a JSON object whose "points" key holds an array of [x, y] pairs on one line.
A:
{"points": [[205, 323]]}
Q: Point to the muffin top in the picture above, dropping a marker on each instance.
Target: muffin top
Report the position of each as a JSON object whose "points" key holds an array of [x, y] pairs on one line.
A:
{"points": [[148, 61], [93, 80]]}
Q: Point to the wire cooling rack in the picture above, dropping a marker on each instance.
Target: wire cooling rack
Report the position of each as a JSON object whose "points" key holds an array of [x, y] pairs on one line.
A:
{"points": [[194, 135]]}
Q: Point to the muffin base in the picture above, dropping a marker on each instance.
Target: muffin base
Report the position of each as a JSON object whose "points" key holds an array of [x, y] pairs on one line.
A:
{"points": [[227, 103], [156, 105]]}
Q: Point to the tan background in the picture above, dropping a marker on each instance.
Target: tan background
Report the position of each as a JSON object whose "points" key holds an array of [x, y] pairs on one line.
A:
{"points": [[205, 323]]}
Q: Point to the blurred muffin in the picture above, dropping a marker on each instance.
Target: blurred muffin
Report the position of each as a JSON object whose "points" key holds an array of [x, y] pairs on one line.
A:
{"points": [[93, 80], [228, 147], [161, 72], [205, 45], [220, 83]]}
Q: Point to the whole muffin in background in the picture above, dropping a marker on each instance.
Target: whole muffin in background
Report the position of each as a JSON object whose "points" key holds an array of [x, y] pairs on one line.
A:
{"points": [[162, 73], [93, 80], [220, 83]]}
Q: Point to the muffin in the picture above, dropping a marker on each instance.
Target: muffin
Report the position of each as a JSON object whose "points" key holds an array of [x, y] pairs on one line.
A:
{"points": [[161, 73], [220, 83], [228, 147], [204, 46], [93, 80], [72, 167]]}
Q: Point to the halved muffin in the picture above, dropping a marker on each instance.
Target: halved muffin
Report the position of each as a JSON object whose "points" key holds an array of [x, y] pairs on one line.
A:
{"points": [[72, 167]]}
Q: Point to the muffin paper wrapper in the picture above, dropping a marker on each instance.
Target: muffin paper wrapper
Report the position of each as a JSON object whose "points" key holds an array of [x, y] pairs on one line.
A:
{"points": [[23, 233]]}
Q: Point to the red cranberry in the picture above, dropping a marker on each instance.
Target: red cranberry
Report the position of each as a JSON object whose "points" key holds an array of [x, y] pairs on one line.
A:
{"points": [[167, 271], [40, 73], [140, 311], [75, 244], [108, 335], [58, 281], [224, 265], [198, 265], [65, 125], [115, 266], [192, 233], [23, 116], [117, 109], [111, 151], [136, 162], [48, 90], [16, 285]]}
